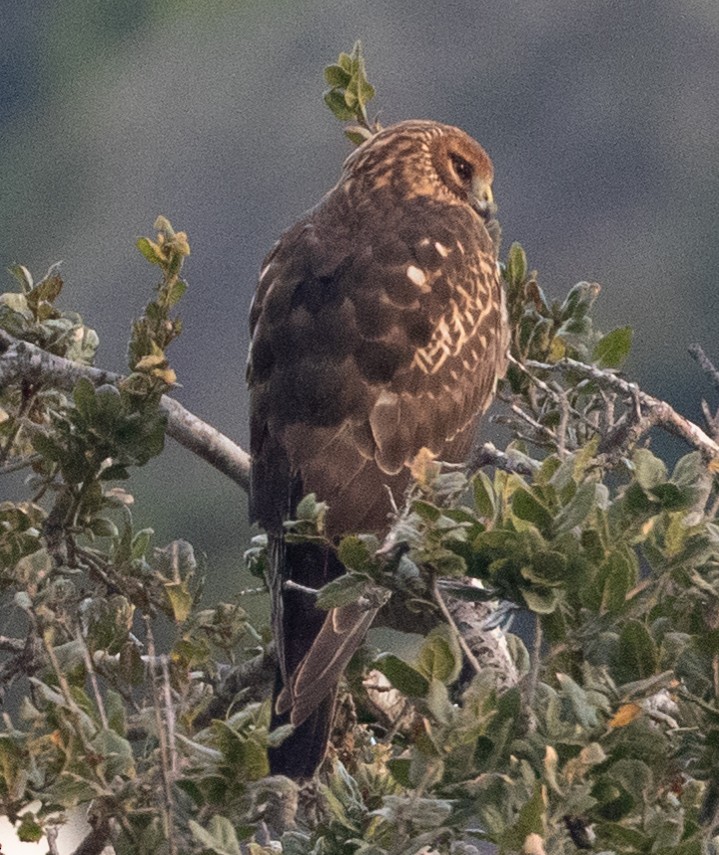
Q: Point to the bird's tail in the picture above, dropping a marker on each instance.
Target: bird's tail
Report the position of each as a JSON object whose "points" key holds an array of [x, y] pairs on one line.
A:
{"points": [[313, 648], [300, 754]]}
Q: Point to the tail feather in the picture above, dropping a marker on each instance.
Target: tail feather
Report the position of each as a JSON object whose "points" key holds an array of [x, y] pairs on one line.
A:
{"points": [[301, 753], [304, 639]]}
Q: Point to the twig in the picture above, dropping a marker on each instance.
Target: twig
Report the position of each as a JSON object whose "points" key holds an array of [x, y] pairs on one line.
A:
{"points": [[707, 366], [659, 412], [471, 658], [21, 361], [535, 657], [488, 455], [51, 833], [93, 680], [77, 713], [533, 423], [20, 463], [14, 645], [169, 716], [290, 585], [162, 736]]}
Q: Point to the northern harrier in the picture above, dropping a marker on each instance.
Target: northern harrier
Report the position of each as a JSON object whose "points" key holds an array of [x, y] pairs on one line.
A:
{"points": [[378, 330]]}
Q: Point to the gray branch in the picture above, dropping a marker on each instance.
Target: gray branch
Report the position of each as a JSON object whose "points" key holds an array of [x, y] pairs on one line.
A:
{"points": [[25, 363], [656, 411]]}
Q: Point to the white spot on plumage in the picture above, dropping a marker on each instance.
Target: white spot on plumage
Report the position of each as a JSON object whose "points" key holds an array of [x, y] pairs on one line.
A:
{"points": [[441, 249], [416, 276]]}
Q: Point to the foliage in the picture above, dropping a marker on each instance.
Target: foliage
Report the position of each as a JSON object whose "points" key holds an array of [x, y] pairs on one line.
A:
{"points": [[610, 738]]}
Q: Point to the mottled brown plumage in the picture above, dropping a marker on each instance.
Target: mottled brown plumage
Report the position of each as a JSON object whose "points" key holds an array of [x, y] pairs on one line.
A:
{"points": [[377, 330]]}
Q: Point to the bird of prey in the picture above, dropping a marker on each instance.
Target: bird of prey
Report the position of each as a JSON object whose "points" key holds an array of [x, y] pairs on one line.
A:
{"points": [[378, 331]]}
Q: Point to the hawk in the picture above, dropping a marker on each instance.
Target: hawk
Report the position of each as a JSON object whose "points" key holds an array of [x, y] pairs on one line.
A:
{"points": [[377, 331]]}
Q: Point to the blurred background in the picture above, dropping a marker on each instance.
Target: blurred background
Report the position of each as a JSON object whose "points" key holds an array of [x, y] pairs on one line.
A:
{"points": [[601, 116], [602, 119]]}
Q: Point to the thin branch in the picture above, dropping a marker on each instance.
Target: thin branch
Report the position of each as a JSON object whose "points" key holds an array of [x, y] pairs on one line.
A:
{"points": [[696, 351], [20, 463], [14, 645], [93, 680], [167, 804], [51, 833], [535, 659], [468, 652], [23, 362], [489, 455], [658, 412]]}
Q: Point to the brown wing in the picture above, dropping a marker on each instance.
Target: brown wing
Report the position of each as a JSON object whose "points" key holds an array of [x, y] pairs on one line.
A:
{"points": [[367, 346]]}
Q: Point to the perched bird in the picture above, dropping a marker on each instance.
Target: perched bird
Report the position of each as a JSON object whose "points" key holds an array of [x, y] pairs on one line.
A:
{"points": [[377, 330]]}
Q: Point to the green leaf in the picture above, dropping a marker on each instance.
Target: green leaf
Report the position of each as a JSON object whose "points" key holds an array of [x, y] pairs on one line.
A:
{"points": [[485, 499], [116, 752], [399, 768], [116, 714], [180, 600], [342, 591], [29, 830], [584, 710], [578, 303], [689, 469], [337, 76], [648, 469], [351, 90], [588, 496], [47, 290], [85, 398], [103, 527], [617, 575], [219, 836], [527, 506], [402, 676], [141, 543], [547, 568], [673, 498], [357, 552], [542, 601], [614, 803], [345, 62], [150, 250], [176, 292], [515, 270], [531, 820], [612, 349], [23, 276], [440, 657], [309, 509], [335, 100], [638, 656]]}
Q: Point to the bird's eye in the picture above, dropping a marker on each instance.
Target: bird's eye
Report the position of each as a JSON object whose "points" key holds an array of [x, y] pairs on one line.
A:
{"points": [[462, 168]]}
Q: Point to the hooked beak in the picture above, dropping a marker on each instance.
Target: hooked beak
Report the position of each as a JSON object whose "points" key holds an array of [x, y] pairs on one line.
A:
{"points": [[482, 200]]}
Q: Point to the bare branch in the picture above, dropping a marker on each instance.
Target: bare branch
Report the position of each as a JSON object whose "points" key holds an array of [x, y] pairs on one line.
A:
{"points": [[489, 455], [14, 645], [656, 411], [706, 365], [22, 362], [466, 649]]}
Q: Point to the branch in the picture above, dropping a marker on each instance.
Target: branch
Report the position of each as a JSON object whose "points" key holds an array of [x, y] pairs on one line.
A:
{"points": [[706, 365], [22, 362], [658, 412]]}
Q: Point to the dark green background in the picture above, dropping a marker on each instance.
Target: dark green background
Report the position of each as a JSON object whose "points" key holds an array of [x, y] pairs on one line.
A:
{"points": [[602, 119]]}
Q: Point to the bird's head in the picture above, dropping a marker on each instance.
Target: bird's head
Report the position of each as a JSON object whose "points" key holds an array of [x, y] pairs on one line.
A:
{"points": [[424, 158]]}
